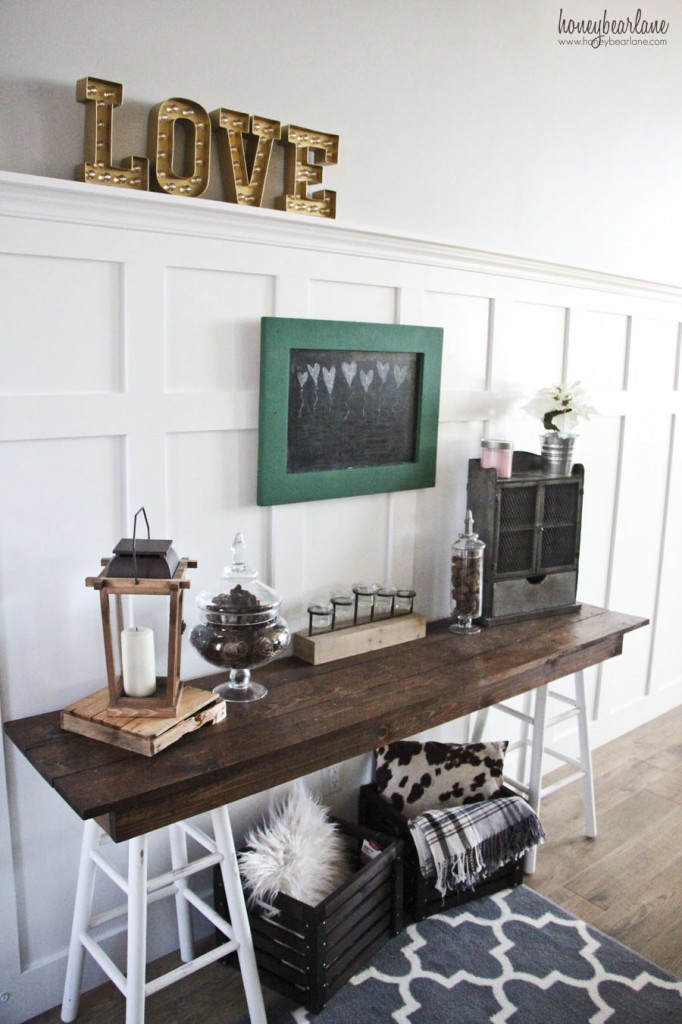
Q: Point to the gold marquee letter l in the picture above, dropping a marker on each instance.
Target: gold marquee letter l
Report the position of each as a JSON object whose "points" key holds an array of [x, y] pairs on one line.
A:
{"points": [[300, 171], [100, 98]]}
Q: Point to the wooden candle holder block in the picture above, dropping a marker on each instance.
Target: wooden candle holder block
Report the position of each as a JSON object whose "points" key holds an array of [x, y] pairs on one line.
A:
{"points": [[370, 636], [92, 717]]}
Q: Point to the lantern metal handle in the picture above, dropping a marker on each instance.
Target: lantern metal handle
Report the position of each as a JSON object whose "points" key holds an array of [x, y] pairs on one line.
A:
{"points": [[142, 510]]}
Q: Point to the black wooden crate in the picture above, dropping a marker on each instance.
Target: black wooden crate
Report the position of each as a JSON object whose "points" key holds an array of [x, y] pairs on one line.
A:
{"points": [[421, 898], [307, 953]]}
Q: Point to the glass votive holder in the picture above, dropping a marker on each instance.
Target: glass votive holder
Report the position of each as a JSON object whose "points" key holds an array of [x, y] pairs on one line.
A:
{"points": [[319, 618], [343, 610], [384, 602], [498, 455], [365, 594], [404, 601]]}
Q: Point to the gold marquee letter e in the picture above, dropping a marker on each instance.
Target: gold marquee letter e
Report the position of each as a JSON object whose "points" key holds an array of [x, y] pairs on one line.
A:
{"points": [[305, 154]]}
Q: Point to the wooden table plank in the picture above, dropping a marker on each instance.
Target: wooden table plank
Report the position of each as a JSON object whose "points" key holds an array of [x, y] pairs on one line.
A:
{"points": [[314, 716]]}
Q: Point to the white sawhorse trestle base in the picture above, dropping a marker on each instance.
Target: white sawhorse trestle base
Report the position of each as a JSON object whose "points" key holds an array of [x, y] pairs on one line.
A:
{"points": [[141, 890], [533, 790]]}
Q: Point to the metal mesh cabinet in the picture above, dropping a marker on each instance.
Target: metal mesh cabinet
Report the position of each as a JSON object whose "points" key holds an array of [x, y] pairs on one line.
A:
{"points": [[530, 523]]}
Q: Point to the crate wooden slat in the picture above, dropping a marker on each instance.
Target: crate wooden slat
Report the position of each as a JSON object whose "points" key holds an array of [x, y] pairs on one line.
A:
{"points": [[421, 898], [92, 717], [308, 953], [322, 648]]}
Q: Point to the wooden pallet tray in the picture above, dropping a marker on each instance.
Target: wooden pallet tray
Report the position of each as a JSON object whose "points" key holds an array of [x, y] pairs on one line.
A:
{"points": [[370, 636], [92, 717]]}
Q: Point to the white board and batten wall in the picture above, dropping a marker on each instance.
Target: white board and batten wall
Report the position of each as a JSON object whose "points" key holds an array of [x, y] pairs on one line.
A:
{"points": [[130, 368]]}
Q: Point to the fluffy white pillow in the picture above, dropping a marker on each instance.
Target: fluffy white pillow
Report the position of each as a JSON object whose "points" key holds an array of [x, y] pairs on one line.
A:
{"points": [[299, 852]]}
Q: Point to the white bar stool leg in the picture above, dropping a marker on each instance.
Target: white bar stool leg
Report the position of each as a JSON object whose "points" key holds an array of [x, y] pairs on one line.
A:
{"points": [[535, 778], [524, 741], [81, 918], [179, 859], [585, 757], [222, 830], [480, 719], [137, 930]]}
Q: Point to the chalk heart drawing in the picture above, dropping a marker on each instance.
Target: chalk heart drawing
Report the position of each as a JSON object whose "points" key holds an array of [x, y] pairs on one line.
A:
{"points": [[349, 371]]}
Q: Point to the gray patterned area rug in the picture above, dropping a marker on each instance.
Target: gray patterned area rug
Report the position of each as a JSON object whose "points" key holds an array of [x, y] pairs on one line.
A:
{"points": [[511, 958]]}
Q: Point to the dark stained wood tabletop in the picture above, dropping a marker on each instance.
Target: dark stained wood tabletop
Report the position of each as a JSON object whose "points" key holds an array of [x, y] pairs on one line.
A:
{"points": [[314, 716]]}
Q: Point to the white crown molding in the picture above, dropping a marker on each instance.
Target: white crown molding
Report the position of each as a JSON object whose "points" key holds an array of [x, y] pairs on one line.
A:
{"points": [[60, 200]]}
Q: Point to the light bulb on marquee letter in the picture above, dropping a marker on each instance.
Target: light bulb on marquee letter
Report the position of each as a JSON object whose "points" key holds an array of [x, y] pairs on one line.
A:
{"points": [[163, 121], [230, 127], [100, 98], [300, 171]]}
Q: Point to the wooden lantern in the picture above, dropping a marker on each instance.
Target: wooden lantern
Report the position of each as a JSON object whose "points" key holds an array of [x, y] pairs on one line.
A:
{"points": [[141, 568]]}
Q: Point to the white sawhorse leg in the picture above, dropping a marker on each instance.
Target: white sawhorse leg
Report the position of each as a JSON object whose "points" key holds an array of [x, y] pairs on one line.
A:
{"points": [[240, 922], [533, 789], [140, 889], [81, 920]]}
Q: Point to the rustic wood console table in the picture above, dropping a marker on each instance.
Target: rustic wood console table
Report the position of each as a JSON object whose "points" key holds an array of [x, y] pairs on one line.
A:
{"points": [[314, 716]]}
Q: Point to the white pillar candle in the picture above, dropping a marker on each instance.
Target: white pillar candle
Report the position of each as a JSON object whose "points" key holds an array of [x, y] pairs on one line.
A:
{"points": [[137, 657]]}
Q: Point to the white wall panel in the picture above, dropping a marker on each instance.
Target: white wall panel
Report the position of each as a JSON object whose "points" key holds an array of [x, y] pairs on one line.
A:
{"points": [[61, 503], [352, 300], [597, 348], [464, 319], [60, 325], [211, 496], [150, 395], [666, 666], [528, 345], [213, 328], [598, 449], [638, 548], [345, 543], [653, 358]]}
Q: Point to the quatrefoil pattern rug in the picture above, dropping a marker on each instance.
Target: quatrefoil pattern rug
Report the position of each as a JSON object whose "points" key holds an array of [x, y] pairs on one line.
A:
{"points": [[512, 958]]}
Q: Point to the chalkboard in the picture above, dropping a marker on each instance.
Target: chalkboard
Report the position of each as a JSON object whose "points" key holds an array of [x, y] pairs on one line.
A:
{"points": [[352, 408]]}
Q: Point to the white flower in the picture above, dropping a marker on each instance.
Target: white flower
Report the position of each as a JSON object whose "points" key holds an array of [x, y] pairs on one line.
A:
{"points": [[560, 407]]}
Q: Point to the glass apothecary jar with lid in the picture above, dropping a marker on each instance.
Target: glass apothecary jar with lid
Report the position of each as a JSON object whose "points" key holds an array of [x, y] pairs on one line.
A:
{"points": [[241, 627], [467, 579]]}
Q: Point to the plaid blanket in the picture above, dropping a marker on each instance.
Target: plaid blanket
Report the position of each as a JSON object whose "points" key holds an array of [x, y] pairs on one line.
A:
{"points": [[459, 846]]}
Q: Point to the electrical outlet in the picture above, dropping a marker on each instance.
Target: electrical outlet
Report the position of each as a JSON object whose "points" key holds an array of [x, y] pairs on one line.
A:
{"points": [[333, 778]]}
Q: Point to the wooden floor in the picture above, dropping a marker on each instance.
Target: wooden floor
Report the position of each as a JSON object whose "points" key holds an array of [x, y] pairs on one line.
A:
{"points": [[627, 882]]}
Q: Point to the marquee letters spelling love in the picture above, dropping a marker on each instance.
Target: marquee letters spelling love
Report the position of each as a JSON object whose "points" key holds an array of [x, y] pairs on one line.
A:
{"points": [[306, 152]]}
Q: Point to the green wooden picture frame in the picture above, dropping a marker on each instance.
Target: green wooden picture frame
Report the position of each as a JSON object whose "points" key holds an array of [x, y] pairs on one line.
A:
{"points": [[346, 408]]}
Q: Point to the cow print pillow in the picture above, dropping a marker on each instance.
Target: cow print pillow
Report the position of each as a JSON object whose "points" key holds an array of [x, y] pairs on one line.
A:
{"points": [[415, 777]]}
